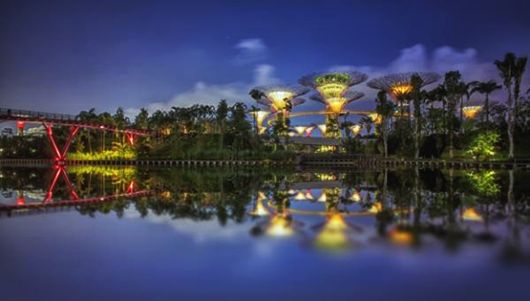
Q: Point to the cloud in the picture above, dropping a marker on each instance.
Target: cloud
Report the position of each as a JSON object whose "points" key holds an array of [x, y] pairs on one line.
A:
{"points": [[418, 58], [250, 51], [210, 94]]}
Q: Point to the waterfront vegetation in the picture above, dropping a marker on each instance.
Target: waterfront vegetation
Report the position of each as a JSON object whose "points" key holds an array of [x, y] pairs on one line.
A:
{"points": [[418, 123], [416, 203]]}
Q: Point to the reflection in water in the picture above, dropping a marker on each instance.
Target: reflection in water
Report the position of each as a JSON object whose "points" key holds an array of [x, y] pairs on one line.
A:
{"points": [[280, 225], [334, 234], [333, 211]]}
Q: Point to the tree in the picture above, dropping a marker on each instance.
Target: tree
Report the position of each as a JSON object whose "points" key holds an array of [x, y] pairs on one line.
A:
{"points": [[466, 89], [141, 121], [486, 88], [511, 70], [483, 146], [220, 116], [418, 97], [452, 86], [239, 127], [384, 108], [518, 72]]}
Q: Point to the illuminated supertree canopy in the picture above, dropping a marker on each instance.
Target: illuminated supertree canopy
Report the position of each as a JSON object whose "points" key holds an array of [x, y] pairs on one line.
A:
{"points": [[277, 98], [399, 84], [338, 104], [333, 87]]}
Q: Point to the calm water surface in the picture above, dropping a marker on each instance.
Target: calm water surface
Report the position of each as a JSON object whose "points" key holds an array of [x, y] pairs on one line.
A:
{"points": [[206, 234]]}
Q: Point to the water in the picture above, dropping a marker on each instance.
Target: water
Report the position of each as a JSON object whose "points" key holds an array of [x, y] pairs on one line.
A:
{"points": [[205, 234]]}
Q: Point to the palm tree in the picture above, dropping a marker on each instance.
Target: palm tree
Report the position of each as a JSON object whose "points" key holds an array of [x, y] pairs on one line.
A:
{"points": [[518, 71], [486, 88], [418, 96], [453, 89], [385, 109], [466, 89], [506, 72]]}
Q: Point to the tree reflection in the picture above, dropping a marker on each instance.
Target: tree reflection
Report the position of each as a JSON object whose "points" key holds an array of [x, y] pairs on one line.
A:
{"points": [[331, 212]]}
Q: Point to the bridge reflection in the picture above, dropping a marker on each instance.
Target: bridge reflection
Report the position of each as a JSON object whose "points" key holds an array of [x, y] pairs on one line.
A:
{"points": [[129, 190], [331, 212]]}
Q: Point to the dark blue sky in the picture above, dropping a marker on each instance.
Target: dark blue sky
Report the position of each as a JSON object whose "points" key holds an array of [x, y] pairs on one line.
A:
{"points": [[67, 56]]}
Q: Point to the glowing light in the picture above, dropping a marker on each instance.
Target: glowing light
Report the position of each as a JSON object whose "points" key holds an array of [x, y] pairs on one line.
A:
{"points": [[336, 104], [279, 99], [470, 214], [401, 237], [332, 90], [20, 125], [280, 226], [165, 194], [260, 117], [325, 177], [259, 209], [376, 118], [301, 130], [333, 234], [166, 131], [322, 128], [323, 197], [471, 112], [376, 207], [300, 196], [355, 129], [356, 196], [401, 89]]}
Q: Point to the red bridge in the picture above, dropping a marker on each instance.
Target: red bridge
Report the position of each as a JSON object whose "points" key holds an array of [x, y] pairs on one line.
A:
{"points": [[49, 120], [48, 201]]}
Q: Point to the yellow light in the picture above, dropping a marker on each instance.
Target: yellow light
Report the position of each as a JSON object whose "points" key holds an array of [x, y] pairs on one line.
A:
{"points": [[260, 117], [356, 197], [332, 90], [355, 129], [165, 194], [259, 209], [401, 237], [470, 214], [325, 177], [279, 99], [471, 112], [336, 222], [333, 234], [279, 226], [300, 130], [376, 207], [401, 89], [376, 118], [300, 196], [336, 104]]}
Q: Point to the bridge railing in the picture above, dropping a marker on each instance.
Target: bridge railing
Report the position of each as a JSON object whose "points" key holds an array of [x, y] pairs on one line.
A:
{"points": [[11, 113]]}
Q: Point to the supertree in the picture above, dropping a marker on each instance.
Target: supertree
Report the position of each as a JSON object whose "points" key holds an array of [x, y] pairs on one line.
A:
{"points": [[279, 100], [333, 91], [398, 85]]}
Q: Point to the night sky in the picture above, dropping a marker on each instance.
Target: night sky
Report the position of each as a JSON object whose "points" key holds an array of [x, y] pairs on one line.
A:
{"points": [[67, 56]]}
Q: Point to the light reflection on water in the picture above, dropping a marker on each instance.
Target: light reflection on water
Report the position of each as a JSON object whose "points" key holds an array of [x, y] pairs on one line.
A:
{"points": [[321, 233]]}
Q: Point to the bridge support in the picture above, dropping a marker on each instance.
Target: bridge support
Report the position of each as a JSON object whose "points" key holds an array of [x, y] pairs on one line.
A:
{"points": [[20, 126], [131, 138], [60, 155], [58, 171]]}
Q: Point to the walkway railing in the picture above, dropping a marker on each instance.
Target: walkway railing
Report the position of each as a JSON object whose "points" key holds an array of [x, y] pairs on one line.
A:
{"points": [[13, 114]]}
